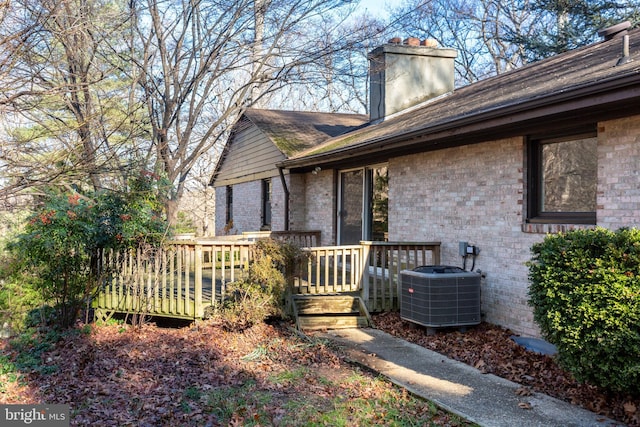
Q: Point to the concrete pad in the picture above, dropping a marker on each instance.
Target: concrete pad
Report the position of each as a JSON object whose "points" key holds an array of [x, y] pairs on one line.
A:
{"points": [[485, 399]]}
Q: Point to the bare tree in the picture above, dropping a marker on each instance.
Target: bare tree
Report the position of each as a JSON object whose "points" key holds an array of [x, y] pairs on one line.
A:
{"points": [[495, 36], [202, 62], [66, 118], [93, 89], [476, 28], [338, 82]]}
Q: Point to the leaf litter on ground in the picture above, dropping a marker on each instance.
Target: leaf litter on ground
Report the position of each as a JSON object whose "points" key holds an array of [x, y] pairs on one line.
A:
{"points": [[207, 375], [490, 349]]}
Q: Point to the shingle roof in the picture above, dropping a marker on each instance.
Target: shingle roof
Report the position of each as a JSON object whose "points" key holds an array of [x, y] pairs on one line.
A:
{"points": [[584, 74], [296, 131]]}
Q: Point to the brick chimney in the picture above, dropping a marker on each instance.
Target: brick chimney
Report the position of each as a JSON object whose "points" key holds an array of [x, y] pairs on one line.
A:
{"points": [[405, 74]]}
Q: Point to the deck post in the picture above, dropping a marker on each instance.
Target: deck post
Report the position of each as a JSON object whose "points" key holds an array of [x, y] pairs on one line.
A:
{"points": [[364, 282], [435, 248], [199, 312]]}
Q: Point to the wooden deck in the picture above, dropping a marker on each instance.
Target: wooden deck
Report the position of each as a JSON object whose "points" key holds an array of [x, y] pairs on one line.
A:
{"points": [[184, 278]]}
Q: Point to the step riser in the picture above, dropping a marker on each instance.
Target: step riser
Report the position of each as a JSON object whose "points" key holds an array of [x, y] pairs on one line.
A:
{"points": [[327, 306], [329, 312], [332, 322]]}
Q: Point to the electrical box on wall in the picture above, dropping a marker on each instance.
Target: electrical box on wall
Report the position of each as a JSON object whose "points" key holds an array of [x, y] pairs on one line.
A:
{"points": [[472, 250], [465, 249], [462, 248]]}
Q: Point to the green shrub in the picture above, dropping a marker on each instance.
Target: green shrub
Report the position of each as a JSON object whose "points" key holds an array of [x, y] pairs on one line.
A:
{"points": [[57, 250], [17, 297], [585, 294], [261, 293]]}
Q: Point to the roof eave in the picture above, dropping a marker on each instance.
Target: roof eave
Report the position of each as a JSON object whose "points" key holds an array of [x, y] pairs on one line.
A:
{"points": [[621, 95]]}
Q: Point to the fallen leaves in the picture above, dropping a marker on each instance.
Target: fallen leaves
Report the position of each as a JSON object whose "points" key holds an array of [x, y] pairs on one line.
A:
{"points": [[201, 376], [481, 365], [490, 349], [524, 391]]}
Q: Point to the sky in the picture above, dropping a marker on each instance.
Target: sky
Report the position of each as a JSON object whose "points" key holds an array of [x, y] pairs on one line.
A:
{"points": [[378, 7]]}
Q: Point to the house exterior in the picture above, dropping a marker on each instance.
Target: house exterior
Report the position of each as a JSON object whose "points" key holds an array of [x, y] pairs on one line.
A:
{"points": [[249, 187], [498, 164]]}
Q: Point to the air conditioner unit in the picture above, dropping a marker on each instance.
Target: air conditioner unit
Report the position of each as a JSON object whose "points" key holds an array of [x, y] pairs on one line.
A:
{"points": [[440, 296]]}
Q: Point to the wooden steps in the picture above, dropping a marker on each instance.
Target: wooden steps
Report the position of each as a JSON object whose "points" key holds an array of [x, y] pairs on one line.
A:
{"points": [[320, 311]]}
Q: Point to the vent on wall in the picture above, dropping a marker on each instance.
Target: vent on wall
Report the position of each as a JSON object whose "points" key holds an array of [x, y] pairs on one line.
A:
{"points": [[440, 296]]}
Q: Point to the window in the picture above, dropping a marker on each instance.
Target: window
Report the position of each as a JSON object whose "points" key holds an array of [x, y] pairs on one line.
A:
{"points": [[266, 203], [563, 180], [229, 204]]}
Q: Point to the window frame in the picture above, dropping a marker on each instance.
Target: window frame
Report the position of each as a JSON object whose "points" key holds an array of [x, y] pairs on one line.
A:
{"points": [[266, 216], [229, 204], [534, 179]]}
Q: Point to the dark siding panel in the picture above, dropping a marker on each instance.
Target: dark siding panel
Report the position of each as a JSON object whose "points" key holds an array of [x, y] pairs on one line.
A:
{"points": [[251, 154]]}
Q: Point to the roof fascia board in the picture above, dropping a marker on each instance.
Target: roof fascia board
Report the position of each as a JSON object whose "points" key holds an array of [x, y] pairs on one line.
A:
{"points": [[248, 178], [586, 97]]}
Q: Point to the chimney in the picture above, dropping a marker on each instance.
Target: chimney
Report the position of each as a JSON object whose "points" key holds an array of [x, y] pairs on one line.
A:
{"points": [[405, 74]]}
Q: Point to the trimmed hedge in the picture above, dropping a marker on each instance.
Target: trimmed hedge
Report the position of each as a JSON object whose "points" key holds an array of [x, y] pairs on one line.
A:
{"points": [[585, 294]]}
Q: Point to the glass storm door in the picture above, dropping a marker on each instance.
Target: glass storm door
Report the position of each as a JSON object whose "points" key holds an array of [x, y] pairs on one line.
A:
{"points": [[351, 207], [364, 200]]}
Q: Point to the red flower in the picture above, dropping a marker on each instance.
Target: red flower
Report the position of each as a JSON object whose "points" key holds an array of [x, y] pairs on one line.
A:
{"points": [[73, 199], [46, 217]]}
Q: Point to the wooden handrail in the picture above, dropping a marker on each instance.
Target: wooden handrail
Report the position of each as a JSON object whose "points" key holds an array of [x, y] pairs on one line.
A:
{"points": [[183, 278]]}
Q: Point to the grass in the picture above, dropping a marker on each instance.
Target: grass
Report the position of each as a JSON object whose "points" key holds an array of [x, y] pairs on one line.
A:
{"points": [[335, 403], [391, 408]]}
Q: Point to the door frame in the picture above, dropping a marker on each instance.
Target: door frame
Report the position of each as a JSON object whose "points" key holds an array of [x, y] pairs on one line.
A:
{"points": [[366, 200]]}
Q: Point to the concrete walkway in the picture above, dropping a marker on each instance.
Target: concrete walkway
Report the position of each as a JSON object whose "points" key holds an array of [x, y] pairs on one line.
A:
{"points": [[485, 399]]}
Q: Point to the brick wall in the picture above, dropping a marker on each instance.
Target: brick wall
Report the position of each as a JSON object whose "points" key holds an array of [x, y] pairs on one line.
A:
{"points": [[220, 195], [319, 205], [477, 193], [619, 173], [277, 203], [247, 206], [473, 194], [297, 201]]}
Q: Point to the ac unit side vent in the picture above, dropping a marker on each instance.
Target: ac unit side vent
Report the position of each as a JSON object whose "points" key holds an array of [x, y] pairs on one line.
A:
{"points": [[440, 296]]}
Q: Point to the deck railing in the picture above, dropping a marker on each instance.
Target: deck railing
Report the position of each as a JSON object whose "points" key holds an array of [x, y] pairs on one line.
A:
{"points": [[381, 279], [372, 269], [330, 269], [185, 277], [303, 239], [178, 280]]}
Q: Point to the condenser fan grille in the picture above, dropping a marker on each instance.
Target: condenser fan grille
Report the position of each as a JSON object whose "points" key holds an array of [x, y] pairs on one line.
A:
{"points": [[439, 296]]}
